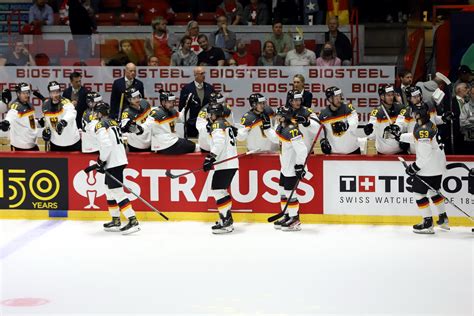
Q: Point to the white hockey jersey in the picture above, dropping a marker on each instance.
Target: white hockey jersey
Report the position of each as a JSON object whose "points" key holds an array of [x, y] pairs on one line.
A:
{"points": [[430, 158], [89, 140], [308, 132], [293, 150], [161, 123], [204, 138], [224, 144], [64, 110], [142, 141], [111, 148], [23, 131], [378, 118], [344, 142], [251, 130]]}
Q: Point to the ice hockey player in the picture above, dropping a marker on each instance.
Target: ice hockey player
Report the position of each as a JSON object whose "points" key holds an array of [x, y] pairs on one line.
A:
{"points": [[340, 120], [252, 122], [162, 124], [89, 120], [20, 120], [113, 159], [293, 154], [415, 100], [308, 122], [430, 164], [203, 124], [223, 146], [60, 121], [381, 125], [133, 117]]}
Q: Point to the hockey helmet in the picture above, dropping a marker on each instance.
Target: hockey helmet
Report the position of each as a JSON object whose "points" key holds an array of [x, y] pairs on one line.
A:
{"points": [[53, 86], [216, 108], [216, 97], [255, 98], [386, 88], [93, 97], [332, 91], [413, 91], [294, 94], [285, 112], [102, 107], [22, 87], [166, 96], [132, 93]]}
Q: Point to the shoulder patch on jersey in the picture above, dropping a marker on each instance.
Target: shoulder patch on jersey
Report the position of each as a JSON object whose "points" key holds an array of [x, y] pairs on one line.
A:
{"points": [[219, 124], [65, 101], [374, 112], [248, 119], [350, 107]]}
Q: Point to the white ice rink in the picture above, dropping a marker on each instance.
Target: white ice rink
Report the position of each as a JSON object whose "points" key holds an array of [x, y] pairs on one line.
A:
{"points": [[74, 267]]}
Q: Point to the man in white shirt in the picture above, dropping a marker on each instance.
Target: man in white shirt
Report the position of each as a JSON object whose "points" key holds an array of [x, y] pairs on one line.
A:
{"points": [[300, 56]]}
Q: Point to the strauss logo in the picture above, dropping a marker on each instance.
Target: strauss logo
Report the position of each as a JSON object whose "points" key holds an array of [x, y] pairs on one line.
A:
{"points": [[89, 185]]}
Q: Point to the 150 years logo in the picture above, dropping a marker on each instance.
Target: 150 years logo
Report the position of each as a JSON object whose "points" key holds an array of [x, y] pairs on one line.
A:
{"points": [[33, 183]]}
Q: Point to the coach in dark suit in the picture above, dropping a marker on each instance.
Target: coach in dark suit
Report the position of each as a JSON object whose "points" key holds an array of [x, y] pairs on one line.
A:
{"points": [[118, 90], [77, 94], [298, 85], [195, 95]]}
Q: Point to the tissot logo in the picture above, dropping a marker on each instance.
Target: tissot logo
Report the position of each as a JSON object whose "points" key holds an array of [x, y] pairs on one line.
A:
{"points": [[347, 183], [352, 184], [366, 183]]}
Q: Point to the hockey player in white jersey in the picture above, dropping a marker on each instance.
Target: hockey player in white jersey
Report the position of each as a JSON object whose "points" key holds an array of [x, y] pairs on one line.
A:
{"points": [[223, 146], [293, 152], [415, 100], [203, 124], [251, 129], [430, 164], [89, 120], [113, 159], [307, 120], [381, 125], [133, 117], [60, 121], [340, 120], [20, 120], [162, 124]]}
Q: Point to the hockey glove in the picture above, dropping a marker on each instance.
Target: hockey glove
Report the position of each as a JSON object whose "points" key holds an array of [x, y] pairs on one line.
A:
{"points": [[134, 128], [41, 122], [5, 125], [412, 169], [303, 120], [340, 126], [404, 146], [60, 126], [100, 166], [266, 124], [46, 135], [209, 162], [447, 116], [325, 146], [300, 172], [369, 129], [6, 96], [392, 130]]}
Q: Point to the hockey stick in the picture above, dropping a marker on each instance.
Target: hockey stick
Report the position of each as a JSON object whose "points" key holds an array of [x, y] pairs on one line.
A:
{"points": [[277, 216], [185, 128], [38, 94], [174, 176], [94, 166], [405, 164]]}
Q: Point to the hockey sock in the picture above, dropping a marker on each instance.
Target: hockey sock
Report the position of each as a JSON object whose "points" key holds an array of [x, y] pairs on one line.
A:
{"points": [[224, 205], [283, 200], [113, 208], [126, 208], [293, 207], [423, 205], [438, 204]]}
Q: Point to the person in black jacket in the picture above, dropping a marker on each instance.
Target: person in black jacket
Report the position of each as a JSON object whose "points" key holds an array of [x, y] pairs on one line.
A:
{"points": [[340, 41], [298, 85], [194, 96], [118, 101], [82, 26], [77, 94]]}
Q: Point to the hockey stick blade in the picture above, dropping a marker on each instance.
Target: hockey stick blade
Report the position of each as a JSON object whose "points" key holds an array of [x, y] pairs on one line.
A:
{"points": [[275, 217]]}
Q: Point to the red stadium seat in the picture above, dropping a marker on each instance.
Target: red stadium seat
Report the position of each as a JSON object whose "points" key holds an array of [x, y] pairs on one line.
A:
{"points": [[111, 4], [105, 19], [55, 49], [128, 18], [182, 18], [310, 44], [207, 18], [255, 48], [108, 49]]}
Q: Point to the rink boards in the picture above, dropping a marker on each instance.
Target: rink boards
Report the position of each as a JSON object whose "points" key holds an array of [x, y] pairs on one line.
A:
{"points": [[337, 189]]}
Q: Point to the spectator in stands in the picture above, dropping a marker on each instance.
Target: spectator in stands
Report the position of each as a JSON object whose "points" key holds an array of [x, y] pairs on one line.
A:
{"points": [[256, 13], [184, 56], [300, 56], [210, 56], [194, 96], [269, 56], [406, 80], [232, 62], [118, 101], [466, 119], [77, 94], [153, 61], [283, 42], [19, 56], [124, 56], [82, 26], [232, 10], [340, 41], [298, 85], [458, 103], [464, 75], [428, 88], [223, 37], [328, 56], [162, 42], [192, 30], [40, 14], [242, 56]]}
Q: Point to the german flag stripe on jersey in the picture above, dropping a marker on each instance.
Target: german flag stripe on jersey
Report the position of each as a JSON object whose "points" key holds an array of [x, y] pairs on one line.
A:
{"points": [[168, 119], [28, 113], [423, 203], [330, 120], [256, 123], [437, 199], [283, 138], [143, 115], [51, 113], [385, 120]]}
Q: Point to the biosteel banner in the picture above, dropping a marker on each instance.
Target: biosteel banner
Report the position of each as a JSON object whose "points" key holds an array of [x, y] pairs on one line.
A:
{"points": [[359, 84]]}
